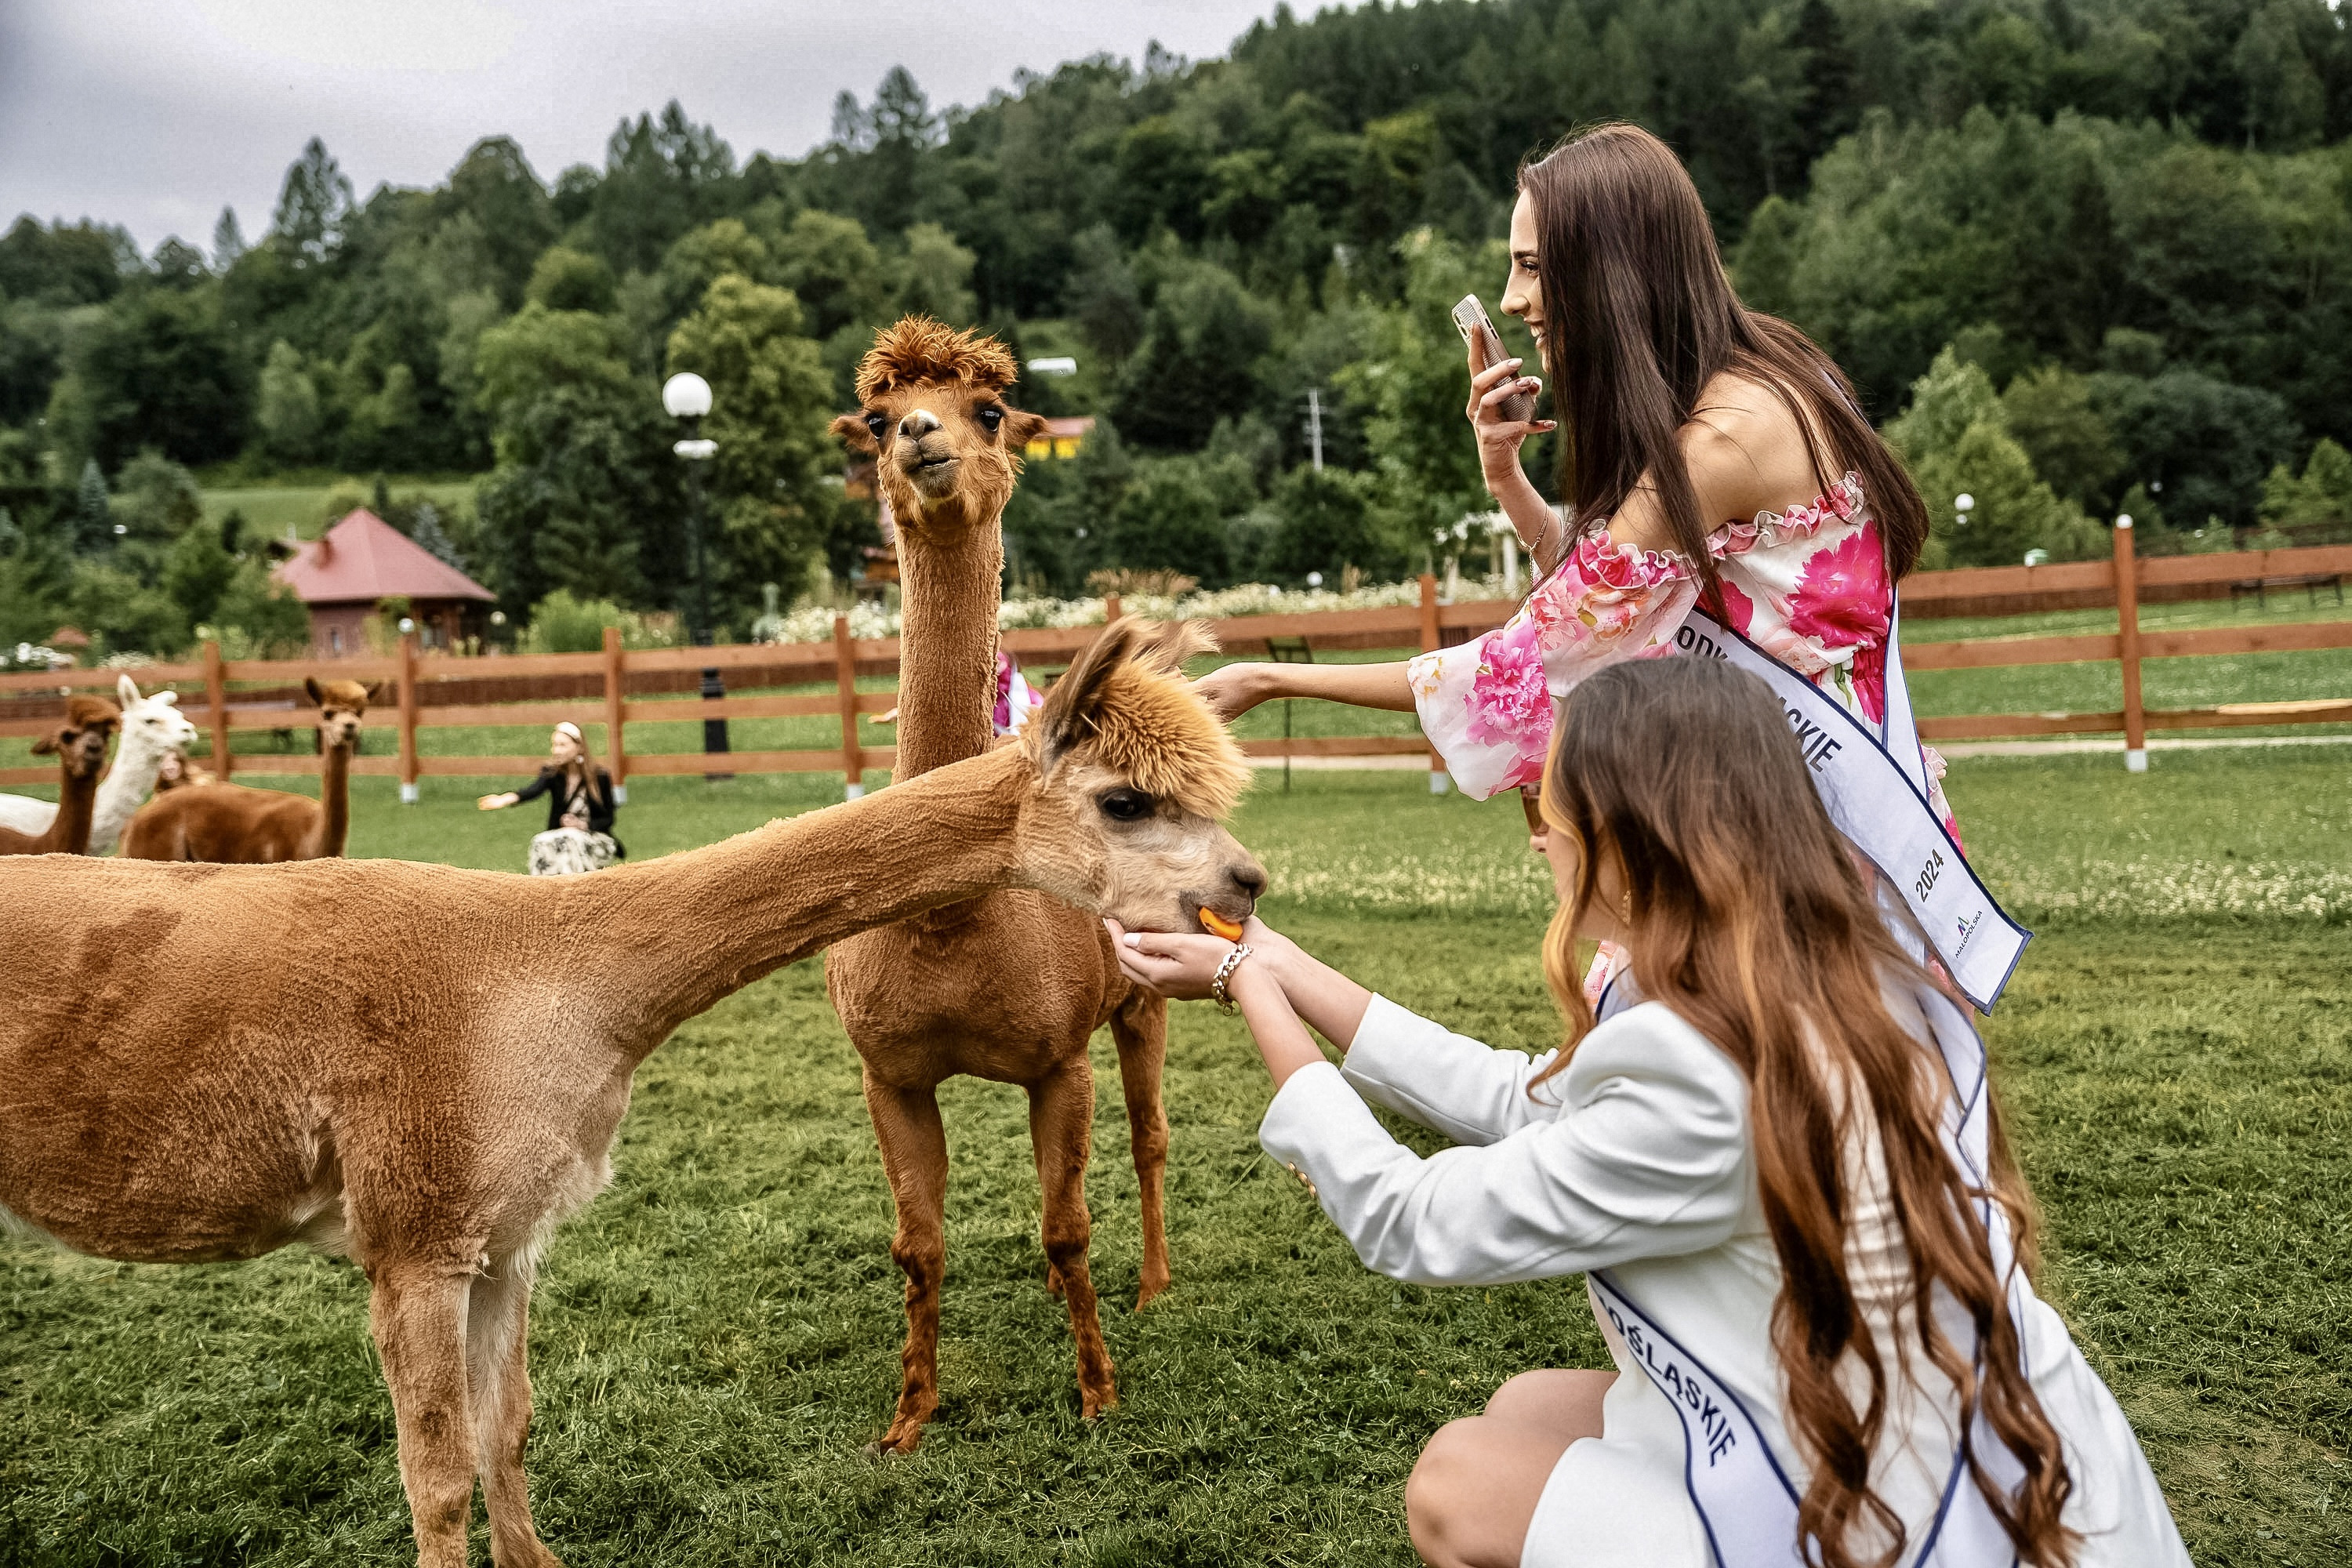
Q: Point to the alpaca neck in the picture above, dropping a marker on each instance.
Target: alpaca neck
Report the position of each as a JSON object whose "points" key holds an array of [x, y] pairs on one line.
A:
{"points": [[950, 572], [334, 802], [127, 784], [75, 800], [687, 930]]}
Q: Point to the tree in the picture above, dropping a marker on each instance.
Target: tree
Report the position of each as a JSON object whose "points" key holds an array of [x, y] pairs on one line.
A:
{"points": [[1325, 524], [228, 240], [1198, 362], [935, 277], [158, 370], [2049, 411], [1104, 298], [1956, 441], [770, 403], [2320, 498], [313, 206], [567, 279], [287, 413]]}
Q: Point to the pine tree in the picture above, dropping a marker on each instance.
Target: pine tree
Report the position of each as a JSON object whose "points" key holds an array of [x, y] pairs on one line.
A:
{"points": [[93, 512], [228, 240], [313, 205], [428, 532]]}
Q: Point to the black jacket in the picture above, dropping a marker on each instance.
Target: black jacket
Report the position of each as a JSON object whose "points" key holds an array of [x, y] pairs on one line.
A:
{"points": [[550, 782]]}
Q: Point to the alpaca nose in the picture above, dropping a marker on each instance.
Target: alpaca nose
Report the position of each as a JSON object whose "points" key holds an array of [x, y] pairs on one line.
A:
{"points": [[1250, 878], [919, 424]]}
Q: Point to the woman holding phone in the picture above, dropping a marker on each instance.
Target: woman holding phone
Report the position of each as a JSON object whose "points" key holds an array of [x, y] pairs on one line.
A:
{"points": [[1711, 456]]}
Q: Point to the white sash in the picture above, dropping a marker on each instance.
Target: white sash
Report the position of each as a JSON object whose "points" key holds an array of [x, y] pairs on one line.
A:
{"points": [[1875, 787], [1745, 1500]]}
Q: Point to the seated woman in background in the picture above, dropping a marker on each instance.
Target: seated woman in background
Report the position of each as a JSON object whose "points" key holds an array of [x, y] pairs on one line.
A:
{"points": [[176, 772], [578, 836]]}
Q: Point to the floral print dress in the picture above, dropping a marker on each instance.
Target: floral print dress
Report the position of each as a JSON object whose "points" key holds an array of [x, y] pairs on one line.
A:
{"points": [[1808, 585]]}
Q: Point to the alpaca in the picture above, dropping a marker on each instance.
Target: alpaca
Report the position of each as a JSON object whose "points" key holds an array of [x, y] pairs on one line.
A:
{"points": [[1011, 987], [152, 727], [246, 826], [80, 744], [423, 1067]]}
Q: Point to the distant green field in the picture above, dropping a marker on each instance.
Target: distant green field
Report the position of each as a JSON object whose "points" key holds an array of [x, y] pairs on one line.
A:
{"points": [[270, 510]]}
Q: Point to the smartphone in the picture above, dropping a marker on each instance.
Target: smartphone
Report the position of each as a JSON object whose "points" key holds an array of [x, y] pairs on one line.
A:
{"points": [[1486, 348]]}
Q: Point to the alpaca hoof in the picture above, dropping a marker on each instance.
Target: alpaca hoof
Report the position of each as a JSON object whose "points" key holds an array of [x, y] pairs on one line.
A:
{"points": [[1149, 1292], [893, 1445], [1091, 1405]]}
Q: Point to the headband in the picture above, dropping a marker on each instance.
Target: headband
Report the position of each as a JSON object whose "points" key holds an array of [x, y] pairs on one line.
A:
{"points": [[568, 728]]}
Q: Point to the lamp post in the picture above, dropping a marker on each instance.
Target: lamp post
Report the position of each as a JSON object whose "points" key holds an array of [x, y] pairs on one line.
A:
{"points": [[687, 397]]}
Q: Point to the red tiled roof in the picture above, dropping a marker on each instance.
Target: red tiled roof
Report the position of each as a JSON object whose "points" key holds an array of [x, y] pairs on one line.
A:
{"points": [[1062, 429], [365, 558]]}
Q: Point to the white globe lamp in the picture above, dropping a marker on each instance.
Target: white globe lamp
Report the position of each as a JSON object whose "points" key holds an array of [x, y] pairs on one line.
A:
{"points": [[685, 395]]}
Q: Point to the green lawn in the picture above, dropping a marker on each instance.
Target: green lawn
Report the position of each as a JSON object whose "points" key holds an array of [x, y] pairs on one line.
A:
{"points": [[716, 1337], [270, 510]]}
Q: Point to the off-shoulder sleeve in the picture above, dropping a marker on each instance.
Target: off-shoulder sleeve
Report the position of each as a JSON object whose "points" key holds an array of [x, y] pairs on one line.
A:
{"points": [[1486, 705], [1649, 1158]]}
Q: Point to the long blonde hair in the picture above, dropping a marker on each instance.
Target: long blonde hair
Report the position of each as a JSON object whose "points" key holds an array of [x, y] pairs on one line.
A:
{"points": [[585, 762], [1749, 917]]}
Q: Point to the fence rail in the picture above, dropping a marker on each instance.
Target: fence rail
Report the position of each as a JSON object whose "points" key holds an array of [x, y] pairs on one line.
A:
{"points": [[437, 691]]}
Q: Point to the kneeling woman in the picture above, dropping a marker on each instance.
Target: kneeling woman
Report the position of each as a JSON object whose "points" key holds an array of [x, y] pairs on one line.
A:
{"points": [[580, 805], [1777, 1169]]}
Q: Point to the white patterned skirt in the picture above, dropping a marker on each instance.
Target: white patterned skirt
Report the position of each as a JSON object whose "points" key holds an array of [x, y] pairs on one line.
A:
{"points": [[567, 852]]}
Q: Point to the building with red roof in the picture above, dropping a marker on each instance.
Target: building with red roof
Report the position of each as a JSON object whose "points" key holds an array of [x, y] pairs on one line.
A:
{"points": [[345, 573]]}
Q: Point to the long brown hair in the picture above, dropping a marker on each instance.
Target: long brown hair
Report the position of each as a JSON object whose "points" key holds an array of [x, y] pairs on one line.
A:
{"points": [[1642, 318], [1746, 915], [585, 762]]}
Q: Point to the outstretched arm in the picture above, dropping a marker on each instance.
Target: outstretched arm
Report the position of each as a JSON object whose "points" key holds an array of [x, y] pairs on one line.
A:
{"points": [[1235, 689]]}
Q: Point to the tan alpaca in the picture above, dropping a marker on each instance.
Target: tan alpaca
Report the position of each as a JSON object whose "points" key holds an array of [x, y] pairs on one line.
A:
{"points": [[422, 1067], [1010, 986], [78, 743], [233, 823]]}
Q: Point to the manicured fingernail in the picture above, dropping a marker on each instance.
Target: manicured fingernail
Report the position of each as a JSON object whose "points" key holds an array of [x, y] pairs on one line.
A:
{"points": [[1133, 940]]}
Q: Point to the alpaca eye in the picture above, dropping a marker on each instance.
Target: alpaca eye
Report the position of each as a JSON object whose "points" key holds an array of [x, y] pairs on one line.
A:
{"points": [[1125, 805], [991, 417], [879, 424]]}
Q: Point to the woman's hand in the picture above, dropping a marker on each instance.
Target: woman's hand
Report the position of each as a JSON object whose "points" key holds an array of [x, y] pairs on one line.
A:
{"points": [[1232, 689], [1499, 439], [495, 802], [575, 821], [1174, 964]]}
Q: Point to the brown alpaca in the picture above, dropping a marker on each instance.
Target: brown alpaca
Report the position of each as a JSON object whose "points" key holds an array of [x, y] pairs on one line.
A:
{"points": [[238, 826], [1009, 986], [423, 1067], [80, 746]]}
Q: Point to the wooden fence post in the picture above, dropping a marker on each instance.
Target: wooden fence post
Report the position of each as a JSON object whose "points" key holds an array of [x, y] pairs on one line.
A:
{"points": [[2128, 648], [217, 699], [408, 719], [1438, 780], [844, 666], [617, 759], [1112, 608]]}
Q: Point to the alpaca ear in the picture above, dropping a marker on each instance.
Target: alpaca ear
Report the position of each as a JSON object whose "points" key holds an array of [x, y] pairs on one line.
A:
{"points": [[1021, 428], [1166, 646], [125, 689], [166, 695], [45, 745], [1068, 718], [318, 697], [854, 434]]}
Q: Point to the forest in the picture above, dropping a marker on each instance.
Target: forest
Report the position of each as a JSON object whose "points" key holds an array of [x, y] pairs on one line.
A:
{"points": [[2081, 256]]}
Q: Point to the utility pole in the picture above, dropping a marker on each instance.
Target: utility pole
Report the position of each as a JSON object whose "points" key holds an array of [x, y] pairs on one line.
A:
{"points": [[1315, 424]]}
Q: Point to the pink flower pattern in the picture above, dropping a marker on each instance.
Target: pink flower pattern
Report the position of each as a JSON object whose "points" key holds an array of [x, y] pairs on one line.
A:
{"points": [[1809, 585]]}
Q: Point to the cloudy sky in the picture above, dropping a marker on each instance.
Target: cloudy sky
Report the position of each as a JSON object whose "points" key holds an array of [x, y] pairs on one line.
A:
{"points": [[155, 113]]}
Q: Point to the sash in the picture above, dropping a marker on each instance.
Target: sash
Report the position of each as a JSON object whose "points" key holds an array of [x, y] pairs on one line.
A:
{"points": [[1875, 787], [1745, 1502]]}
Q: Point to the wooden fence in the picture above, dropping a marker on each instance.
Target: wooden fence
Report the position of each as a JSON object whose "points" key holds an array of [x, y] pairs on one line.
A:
{"points": [[428, 691]]}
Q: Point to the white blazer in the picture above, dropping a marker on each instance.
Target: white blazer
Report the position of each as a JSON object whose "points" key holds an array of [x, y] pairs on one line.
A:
{"points": [[1636, 1159]]}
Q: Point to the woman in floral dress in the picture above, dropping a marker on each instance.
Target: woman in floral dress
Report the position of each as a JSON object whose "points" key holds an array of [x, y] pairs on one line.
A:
{"points": [[1713, 456]]}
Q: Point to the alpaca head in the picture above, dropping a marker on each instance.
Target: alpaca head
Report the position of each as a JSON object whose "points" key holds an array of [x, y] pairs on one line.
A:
{"points": [[153, 724], [946, 444], [1134, 777], [342, 704], [79, 739]]}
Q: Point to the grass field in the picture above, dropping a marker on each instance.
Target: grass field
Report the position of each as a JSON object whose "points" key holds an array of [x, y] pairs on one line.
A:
{"points": [[716, 1337], [271, 510]]}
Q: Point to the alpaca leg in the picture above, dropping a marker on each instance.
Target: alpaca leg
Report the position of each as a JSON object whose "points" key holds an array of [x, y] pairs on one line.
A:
{"points": [[497, 1376], [1061, 1126], [1139, 1028], [915, 1157], [417, 1313]]}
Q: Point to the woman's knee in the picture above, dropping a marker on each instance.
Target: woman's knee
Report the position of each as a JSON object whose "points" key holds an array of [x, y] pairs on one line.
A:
{"points": [[1555, 1400], [1443, 1495]]}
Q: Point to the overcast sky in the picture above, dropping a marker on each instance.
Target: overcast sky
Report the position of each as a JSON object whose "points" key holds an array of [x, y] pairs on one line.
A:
{"points": [[155, 113]]}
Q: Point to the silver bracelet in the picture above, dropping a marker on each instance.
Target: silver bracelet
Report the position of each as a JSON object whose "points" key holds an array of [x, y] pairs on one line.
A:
{"points": [[1224, 973]]}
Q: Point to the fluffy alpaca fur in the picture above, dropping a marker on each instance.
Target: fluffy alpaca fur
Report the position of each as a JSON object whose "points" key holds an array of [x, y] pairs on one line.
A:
{"points": [[1010, 986], [151, 727], [78, 742], [423, 1067], [238, 826]]}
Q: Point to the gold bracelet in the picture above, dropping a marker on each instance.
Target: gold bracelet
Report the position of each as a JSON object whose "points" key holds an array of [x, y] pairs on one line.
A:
{"points": [[1225, 972]]}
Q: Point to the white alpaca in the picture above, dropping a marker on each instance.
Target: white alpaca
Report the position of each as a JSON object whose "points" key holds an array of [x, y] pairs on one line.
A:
{"points": [[151, 727]]}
